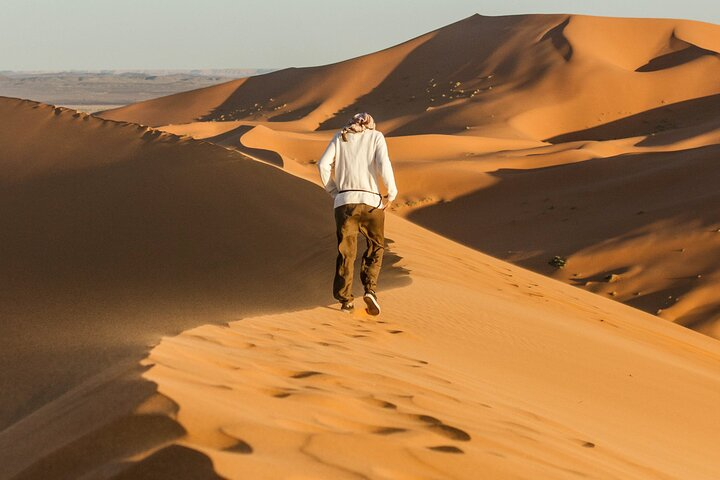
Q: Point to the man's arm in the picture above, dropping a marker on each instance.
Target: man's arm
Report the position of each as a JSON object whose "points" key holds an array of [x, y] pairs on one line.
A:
{"points": [[384, 168], [325, 165]]}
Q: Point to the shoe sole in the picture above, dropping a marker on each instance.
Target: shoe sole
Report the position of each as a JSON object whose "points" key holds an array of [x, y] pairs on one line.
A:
{"points": [[373, 307]]}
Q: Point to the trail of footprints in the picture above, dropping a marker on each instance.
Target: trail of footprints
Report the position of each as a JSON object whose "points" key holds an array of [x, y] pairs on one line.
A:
{"points": [[345, 376], [354, 339], [420, 421]]}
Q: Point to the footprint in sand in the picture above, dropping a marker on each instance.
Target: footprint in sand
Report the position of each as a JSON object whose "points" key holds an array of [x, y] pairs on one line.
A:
{"points": [[305, 374], [380, 403], [282, 394], [446, 449], [239, 447], [388, 430], [437, 426]]}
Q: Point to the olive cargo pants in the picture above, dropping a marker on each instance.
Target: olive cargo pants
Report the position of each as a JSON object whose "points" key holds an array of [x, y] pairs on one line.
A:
{"points": [[370, 221]]}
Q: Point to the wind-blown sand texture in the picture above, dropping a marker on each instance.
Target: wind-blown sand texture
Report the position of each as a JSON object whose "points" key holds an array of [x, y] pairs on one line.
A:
{"points": [[166, 304]]}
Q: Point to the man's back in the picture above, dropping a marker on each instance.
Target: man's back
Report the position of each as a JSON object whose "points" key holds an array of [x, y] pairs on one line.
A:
{"points": [[359, 154], [358, 162]]}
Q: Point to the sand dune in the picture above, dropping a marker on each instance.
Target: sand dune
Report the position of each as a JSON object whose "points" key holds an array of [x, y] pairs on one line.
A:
{"points": [[624, 207], [488, 122], [166, 304], [528, 76], [113, 233], [477, 366], [182, 107]]}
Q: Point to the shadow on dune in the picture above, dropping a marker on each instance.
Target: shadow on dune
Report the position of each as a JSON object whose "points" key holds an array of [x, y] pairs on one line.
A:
{"points": [[233, 139], [437, 73], [698, 113], [430, 70], [561, 210], [172, 463], [105, 250], [556, 36], [111, 417], [263, 93], [677, 58], [293, 115]]}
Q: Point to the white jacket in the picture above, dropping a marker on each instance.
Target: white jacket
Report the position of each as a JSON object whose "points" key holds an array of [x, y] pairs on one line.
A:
{"points": [[358, 162]]}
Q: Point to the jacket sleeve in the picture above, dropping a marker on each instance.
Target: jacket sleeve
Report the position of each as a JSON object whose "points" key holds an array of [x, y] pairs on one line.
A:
{"points": [[325, 165], [384, 168]]}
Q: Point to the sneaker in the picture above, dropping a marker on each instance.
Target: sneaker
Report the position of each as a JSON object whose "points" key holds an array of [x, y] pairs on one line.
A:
{"points": [[373, 307], [347, 307]]}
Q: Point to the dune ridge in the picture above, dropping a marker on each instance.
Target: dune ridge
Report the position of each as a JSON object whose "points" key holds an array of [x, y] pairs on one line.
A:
{"points": [[478, 107], [113, 233], [165, 299], [506, 83], [475, 365]]}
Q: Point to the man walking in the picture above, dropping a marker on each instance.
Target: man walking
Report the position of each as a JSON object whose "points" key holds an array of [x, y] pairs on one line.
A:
{"points": [[359, 154]]}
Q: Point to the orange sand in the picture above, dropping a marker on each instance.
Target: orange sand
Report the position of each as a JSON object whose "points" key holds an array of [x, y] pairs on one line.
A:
{"points": [[165, 292], [624, 110]]}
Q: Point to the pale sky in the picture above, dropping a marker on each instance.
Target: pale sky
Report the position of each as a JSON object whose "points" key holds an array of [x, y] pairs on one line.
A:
{"points": [[185, 34]]}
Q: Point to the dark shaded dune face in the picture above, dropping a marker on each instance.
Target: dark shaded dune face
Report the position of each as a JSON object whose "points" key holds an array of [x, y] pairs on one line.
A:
{"points": [[233, 139], [122, 438], [561, 208], [113, 234], [675, 59], [697, 112], [559, 41], [267, 95], [170, 463], [619, 214], [156, 212], [457, 66]]}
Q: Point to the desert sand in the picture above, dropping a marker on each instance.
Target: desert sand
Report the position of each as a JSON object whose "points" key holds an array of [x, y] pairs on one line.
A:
{"points": [[525, 137], [166, 289]]}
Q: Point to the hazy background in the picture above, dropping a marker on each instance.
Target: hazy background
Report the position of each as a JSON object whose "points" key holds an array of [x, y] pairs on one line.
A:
{"points": [[192, 34]]}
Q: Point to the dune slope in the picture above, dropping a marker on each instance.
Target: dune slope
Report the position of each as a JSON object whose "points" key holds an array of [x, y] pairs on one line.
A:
{"points": [[166, 307], [477, 366], [114, 234], [489, 120], [117, 235]]}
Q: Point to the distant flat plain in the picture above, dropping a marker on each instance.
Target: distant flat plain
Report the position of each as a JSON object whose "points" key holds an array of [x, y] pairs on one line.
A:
{"points": [[92, 91]]}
